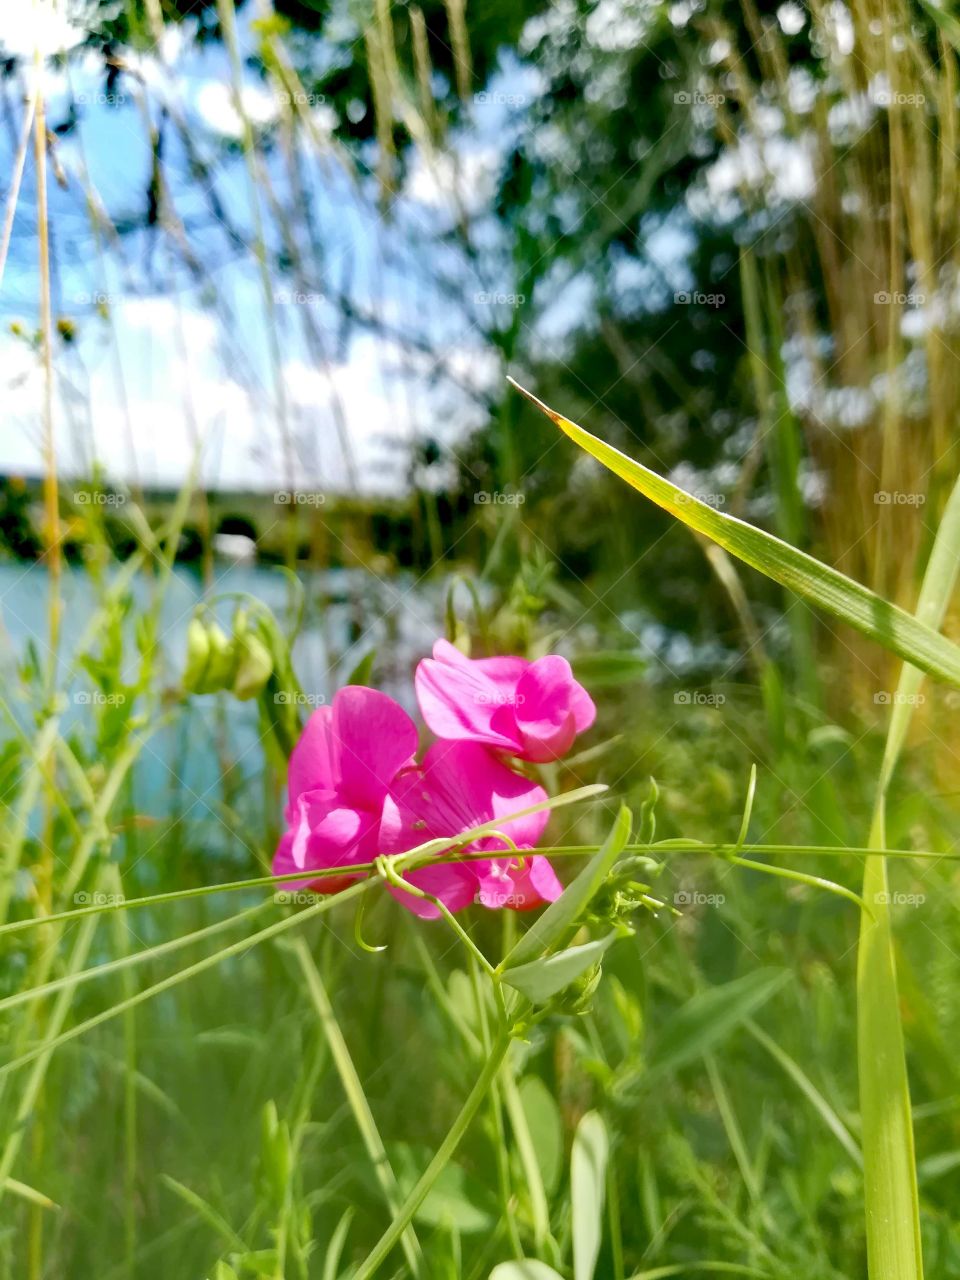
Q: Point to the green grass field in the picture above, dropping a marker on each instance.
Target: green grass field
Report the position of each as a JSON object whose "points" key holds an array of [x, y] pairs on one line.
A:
{"points": [[620, 333]]}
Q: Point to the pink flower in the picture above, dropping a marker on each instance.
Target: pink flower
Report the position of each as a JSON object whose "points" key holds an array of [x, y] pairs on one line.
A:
{"points": [[534, 710], [461, 785], [340, 772]]}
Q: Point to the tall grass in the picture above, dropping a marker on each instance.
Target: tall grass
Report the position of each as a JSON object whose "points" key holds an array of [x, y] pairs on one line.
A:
{"points": [[876, 237], [654, 1077]]}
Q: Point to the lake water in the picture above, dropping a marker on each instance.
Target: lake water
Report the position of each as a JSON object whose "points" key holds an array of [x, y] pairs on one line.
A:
{"points": [[347, 613]]}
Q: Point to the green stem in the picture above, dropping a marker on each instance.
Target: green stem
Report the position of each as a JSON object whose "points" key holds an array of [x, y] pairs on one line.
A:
{"points": [[727, 851], [208, 962], [378, 1255], [42, 1056], [891, 1199], [353, 1088]]}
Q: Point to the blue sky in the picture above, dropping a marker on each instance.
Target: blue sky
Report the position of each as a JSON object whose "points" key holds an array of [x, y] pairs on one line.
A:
{"points": [[165, 357], [161, 357]]}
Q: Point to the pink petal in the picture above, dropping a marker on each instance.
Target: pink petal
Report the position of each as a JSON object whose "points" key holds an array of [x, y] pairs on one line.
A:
{"points": [[327, 834], [283, 864], [459, 702], [452, 883], [551, 707], [374, 739], [459, 785], [313, 761], [504, 670], [519, 887], [536, 883]]}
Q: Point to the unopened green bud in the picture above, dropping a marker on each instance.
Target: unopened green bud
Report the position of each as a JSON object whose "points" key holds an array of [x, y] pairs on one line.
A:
{"points": [[254, 668], [198, 654]]}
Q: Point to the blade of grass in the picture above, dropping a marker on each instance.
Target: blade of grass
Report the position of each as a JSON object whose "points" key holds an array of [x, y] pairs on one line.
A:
{"points": [[885, 623], [357, 1099], [208, 962], [810, 1092], [894, 1246], [378, 1255], [41, 1057]]}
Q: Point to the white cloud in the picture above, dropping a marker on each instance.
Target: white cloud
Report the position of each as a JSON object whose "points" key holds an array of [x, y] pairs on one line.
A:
{"points": [[26, 27], [445, 180], [214, 102]]}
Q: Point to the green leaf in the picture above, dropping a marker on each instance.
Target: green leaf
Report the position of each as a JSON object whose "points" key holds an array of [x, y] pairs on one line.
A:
{"points": [[945, 20], [26, 1192], [206, 1211], [887, 624], [527, 1269], [362, 673], [331, 1259], [894, 1246], [546, 1128], [588, 1173], [706, 1018], [548, 929], [544, 977]]}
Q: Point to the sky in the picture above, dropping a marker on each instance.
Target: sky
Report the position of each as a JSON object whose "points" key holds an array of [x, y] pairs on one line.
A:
{"points": [[165, 362], [269, 385]]}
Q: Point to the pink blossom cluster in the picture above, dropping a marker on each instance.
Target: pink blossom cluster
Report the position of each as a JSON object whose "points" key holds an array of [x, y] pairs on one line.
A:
{"points": [[355, 789]]}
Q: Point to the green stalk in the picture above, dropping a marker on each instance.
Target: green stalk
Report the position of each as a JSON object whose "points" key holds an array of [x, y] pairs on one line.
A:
{"points": [[208, 962], [378, 1255], [122, 943], [725, 851], [41, 1057], [894, 1249], [127, 960], [33, 779], [353, 1088]]}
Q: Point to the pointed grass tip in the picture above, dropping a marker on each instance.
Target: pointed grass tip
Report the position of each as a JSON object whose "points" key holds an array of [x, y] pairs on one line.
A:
{"points": [[556, 418]]}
